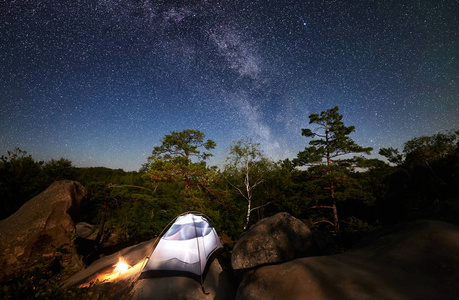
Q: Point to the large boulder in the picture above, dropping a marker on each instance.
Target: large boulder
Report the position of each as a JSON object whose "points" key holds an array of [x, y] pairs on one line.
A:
{"points": [[276, 239], [41, 228], [416, 260]]}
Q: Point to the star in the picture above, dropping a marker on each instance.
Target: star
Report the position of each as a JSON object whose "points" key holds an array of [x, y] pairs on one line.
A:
{"points": [[100, 83]]}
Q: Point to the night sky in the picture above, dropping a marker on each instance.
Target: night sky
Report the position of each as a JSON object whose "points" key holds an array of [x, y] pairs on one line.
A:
{"points": [[100, 82]]}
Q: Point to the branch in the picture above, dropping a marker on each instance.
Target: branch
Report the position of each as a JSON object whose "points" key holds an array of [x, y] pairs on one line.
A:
{"points": [[320, 135], [319, 206], [323, 221], [259, 181], [110, 185], [205, 187], [239, 190], [258, 207]]}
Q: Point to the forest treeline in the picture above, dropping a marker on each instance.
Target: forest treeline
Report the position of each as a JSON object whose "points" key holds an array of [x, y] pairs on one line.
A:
{"points": [[326, 185]]}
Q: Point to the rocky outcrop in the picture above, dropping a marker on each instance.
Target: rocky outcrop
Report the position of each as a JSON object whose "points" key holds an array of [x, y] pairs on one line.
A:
{"points": [[276, 239], [417, 260], [40, 228]]}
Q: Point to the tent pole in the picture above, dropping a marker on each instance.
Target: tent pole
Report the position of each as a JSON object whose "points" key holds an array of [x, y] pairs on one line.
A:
{"points": [[147, 258], [199, 254]]}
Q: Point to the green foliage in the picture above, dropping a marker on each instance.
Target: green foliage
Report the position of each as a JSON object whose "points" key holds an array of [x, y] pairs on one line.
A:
{"points": [[19, 180], [22, 178], [425, 172], [245, 169], [426, 149], [39, 283], [354, 224], [392, 155], [179, 158], [55, 170], [423, 150], [333, 140], [92, 175], [45, 281], [138, 205]]}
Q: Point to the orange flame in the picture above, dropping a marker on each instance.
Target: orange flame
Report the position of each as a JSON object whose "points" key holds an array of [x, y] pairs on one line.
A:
{"points": [[121, 266], [122, 270]]}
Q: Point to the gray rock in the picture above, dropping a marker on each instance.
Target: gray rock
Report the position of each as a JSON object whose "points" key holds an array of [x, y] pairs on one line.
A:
{"points": [[417, 260], [276, 239], [86, 231], [41, 226]]}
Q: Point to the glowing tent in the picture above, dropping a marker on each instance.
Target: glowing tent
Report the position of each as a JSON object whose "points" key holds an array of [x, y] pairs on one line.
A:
{"points": [[184, 249]]}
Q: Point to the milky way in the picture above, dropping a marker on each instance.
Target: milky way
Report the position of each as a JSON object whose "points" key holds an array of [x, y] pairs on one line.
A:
{"points": [[101, 82]]}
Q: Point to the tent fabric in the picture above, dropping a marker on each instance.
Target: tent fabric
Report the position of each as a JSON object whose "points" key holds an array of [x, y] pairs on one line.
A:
{"points": [[184, 249]]}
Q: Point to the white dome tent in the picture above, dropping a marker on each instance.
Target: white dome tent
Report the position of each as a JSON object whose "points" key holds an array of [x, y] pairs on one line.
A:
{"points": [[185, 249]]}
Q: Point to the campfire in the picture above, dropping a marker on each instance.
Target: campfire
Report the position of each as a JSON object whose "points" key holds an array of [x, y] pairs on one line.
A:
{"points": [[122, 271], [121, 266]]}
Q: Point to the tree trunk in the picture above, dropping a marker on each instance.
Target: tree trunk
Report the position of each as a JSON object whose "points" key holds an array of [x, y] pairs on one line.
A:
{"points": [[102, 223], [335, 217], [247, 188], [332, 185], [248, 214], [335, 209]]}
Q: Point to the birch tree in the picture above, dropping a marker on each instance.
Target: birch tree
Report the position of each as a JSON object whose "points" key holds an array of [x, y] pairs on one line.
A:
{"points": [[246, 169]]}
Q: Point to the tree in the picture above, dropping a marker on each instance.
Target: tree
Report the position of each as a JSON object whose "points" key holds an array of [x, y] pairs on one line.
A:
{"points": [[179, 158], [55, 170], [431, 164], [324, 156], [20, 180], [246, 169], [422, 151]]}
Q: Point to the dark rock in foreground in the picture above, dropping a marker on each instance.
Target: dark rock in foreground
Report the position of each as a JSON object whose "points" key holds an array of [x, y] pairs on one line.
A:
{"points": [[39, 228], [418, 260], [276, 239]]}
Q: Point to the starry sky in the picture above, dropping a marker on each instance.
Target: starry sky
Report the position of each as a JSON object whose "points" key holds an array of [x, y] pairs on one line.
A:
{"points": [[100, 82]]}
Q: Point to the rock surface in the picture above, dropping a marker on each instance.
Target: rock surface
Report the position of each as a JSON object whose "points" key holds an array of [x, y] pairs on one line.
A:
{"points": [[219, 281], [34, 233], [276, 239], [86, 231], [218, 284], [417, 260]]}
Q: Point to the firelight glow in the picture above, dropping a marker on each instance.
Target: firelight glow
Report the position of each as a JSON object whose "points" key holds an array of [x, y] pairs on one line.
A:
{"points": [[122, 271], [121, 266]]}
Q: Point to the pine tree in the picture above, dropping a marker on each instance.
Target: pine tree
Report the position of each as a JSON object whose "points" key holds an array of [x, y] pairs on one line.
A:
{"points": [[179, 158], [324, 157]]}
